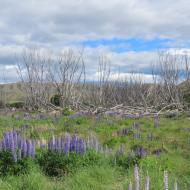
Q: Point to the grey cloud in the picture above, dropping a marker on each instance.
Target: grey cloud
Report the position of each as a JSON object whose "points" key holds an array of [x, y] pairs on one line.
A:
{"points": [[47, 21]]}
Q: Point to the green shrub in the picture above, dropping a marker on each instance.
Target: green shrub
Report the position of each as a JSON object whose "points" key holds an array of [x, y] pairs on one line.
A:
{"points": [[9, 167], [127, 161], [56, 164], [55, 100]]}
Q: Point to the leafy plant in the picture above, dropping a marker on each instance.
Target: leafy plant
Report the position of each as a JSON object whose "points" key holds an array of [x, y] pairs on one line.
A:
{"points": [[57, 164], [9, 167]]}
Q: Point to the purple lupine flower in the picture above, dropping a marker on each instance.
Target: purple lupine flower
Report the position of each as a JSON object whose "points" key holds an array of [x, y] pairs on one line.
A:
{"points": [[24, 148], [141, 152], [67, 145], [85, 146], [16, 145], [29, 148], [81, 146], [6, 137], [49, 145], [58, 145], [138, 151], [15, 139], [77, 146], [11, 142], [31, 151], [73, 143]]}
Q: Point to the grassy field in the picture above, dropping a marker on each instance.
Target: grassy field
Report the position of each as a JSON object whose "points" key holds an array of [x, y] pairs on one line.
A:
{"points": [[166, 146]]}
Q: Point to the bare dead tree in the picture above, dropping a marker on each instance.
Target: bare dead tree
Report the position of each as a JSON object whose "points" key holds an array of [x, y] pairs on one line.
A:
{"points": [[103, 79], [169, 73], [186, 59], [33, 74], [67, 74]]}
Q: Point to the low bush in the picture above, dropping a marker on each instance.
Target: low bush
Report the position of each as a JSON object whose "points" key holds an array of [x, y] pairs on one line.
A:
{"points": [[9, 167], [127, 161], [55, 100], [55, 164]]}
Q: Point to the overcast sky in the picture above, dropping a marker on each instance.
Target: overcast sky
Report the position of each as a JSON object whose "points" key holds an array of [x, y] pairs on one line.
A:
{"points": [[129, 31]]}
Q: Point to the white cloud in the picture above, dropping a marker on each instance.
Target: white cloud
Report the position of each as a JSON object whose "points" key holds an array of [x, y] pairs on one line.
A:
{"points": [[138, 77], [59, 24], [48, 22]]}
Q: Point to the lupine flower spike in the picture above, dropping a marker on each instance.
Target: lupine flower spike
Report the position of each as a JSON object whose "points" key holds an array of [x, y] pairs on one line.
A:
{"points": [[165, 180], [147, 183], [136, 178], [130, 187]]}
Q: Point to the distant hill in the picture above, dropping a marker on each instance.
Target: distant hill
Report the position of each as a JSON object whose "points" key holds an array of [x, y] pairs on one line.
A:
{"points": [[11, 92]]}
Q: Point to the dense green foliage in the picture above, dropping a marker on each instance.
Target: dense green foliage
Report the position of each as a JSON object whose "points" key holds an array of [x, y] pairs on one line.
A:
{"points": [[55, 100], [56, 164], [9, 167]]}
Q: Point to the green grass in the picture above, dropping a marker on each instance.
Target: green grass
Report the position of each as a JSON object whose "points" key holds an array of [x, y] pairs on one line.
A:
{"points": [[171, 137], [96, 178], [35, 180]]}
